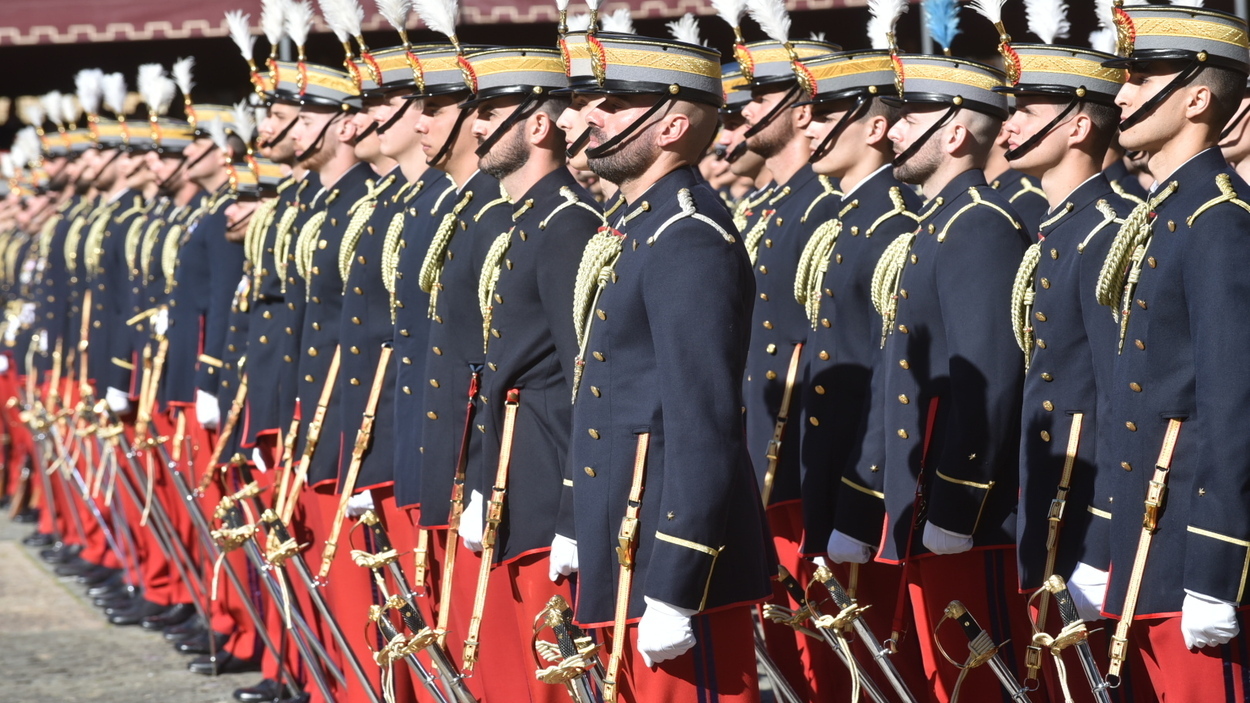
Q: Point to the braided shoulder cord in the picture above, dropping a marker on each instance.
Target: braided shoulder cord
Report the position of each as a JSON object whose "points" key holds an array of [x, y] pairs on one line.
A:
{"points": [[282, 243], [46, 234], [391, 247], [436, 255], [169, 256], [1134, 233], [490, 276], [362, 211], [94, 246], [598, 259], [71, 241], [148, 244], [1022, 296], [134, 237], [306, 246], [756, 234], [829, 190], [885, 280], [900, 208], [813, 263]]}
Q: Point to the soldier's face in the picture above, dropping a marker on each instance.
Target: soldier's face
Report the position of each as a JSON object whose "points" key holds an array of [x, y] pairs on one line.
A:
{"points": [[367, 148], [780, 132], [1032, 115], [201, 168], [573, 121], [278, 118], [913, 125], [438, 119], [1236, 146], [312, 128], [1145, 81], [238, 214], [400, 138], [846, 148], [610, 115], [509, 152]]}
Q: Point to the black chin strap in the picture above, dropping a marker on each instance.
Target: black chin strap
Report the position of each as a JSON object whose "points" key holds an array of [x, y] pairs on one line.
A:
{"points": [[451, 139], [167, 184], [373, 127], [277, 138], [1232, 124], [578, 144], [607, 147], [1027, 146], [521, 112], [916, 145], [386, 126], [826, 144], [234, 227], [312, 148], [773, 113], [1144, 111], [738, 151]]}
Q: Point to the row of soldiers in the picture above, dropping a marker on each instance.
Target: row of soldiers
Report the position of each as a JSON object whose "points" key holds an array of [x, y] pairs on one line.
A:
{"points": [[303, 388]]}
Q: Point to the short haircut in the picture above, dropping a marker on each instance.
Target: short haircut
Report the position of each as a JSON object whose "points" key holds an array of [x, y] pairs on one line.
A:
{"points": [[1227, 89], [983, 129], [1106, 121], [882, 108]]}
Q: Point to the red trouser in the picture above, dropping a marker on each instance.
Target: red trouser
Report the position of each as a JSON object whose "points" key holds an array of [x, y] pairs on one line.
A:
{"points": [[1135, 686], [808, 664], [720, 667], [1178, 675], [460, 609], [985, 581]]}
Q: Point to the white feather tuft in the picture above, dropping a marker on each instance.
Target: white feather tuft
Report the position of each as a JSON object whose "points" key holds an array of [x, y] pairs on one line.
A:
{"points": [[70, 109], [991, 10], [686, 30], [579, 22], [183, 75], [438, 15], [332, 12], [620, 22], [730, 10], [1103, 40], [273, 20], [52, 103], [160, 95], [1048, 19], [883, 15], [241, 32], [7, 169], [395, 12], [594, 5], [217, 132], [32, 113], [562, 5], [772, 17], [1104, 10], [114, 86], [352, 16], [1187, 3], [89, 85], [299, 21], [148, 76], [819, 36], [244, 121]]}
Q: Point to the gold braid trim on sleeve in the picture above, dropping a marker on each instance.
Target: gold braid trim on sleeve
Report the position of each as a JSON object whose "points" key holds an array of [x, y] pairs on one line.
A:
{"points": [[489, 277], [169, 256], [598, 258], [1022, 295], [813, 263], [436, 255], [886, 277]]}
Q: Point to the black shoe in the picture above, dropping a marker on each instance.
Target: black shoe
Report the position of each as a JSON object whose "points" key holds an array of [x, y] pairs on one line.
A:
{"points": [[175, 614], [222, 663], [74, 566], [121, 600], [114, 586], [202, 645], [39, 539], [97, 576], [178, 633], [135, 605], [60, 554], [263, 692], [301, 698], [187, 636], [27, 517]]}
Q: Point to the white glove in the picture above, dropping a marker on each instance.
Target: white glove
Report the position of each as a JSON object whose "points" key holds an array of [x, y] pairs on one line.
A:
{"points": [[940, 541], [472, 521], [27, 316], [160, 322], [206, 410], [118, 401], [563, 558], [259, 460], [664, 632], [360, 504], [43, 341], [845, 549], [4, 364], [1207, 621], [1088, 586]]}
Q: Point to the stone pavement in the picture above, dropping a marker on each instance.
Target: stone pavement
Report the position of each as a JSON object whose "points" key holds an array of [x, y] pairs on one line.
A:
{"points": [[56, 648]]}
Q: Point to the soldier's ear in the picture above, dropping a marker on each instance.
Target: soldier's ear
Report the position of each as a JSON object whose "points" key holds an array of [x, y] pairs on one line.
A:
{"points": [[878, 130], [1080, 129], [1198, 101], [802, 116], [673, 127]]}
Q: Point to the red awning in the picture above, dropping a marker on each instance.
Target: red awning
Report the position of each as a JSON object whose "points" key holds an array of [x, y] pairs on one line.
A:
{"points": [[26, 22]]}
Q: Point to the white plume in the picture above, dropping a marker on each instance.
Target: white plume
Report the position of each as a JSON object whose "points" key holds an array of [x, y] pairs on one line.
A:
{"points": [[1048, 19], [332, 11], [883, 15], [819, 36], [217, 132], [70, 109], [1103, 40], [1187, 3], [353, 16], [438, 15], [686, 30], [241, 32], [162, 95], [89, 85], [991, 10], [1105, 11], [30, 143], [51, 103], [114, 86], [730, 10], [32, 113], [273, 20], [244, 121], [396, 12], [299, 20], [594, 5], [620, 22], [7, 169], [562, 5], [145, 82], [772, 17], [182, 74], [579, 22]]}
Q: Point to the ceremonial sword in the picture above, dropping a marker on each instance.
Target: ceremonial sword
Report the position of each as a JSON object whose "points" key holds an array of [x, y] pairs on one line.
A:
{"points": [[1067, 612], [983, 650]]}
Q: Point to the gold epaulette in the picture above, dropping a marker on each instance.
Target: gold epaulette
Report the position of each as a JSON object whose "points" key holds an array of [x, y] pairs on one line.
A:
{"points": [[1022, 295], [436, 255], [977, 200], [571, 200], [827, 190], [685, 201], [1227, 195]]}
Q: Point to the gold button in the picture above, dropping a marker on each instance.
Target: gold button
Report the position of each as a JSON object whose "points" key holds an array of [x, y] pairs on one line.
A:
{"points": [[598, 356], [264, 339], [768, 243], [499, 299], [494, 333], [595, 391], [815, 422], [764, 270], [903, 363], [1041, 344], [824, 322], [1049, 406], [1041, 317], [491, 365], [1135, 387], [914, 258], [361, 259], [1132, 426], [902, 398], [406, 360], [1152, 261], [1171, 225], [267, 314], [230, 347], [820, 390], [1141, 303], [1047, 377], [902, 434], [602, 315], [837, 258], [589, 472], [308, 378], [355, 350], [903, 292], [1054, 253], [432, 415], [1045, 436], [1140, 344], [355, 320], [764, 297], [594, 434], [290, 331], [407, 390], [355, 381], [1046, 283], [434, 382], [824, 356], [902, 328], [286, 358], [768, 325], [316, 326], [771, 348], [770, 375], [436, 350], [312, 351], [357, 290], [1126, 466]]}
